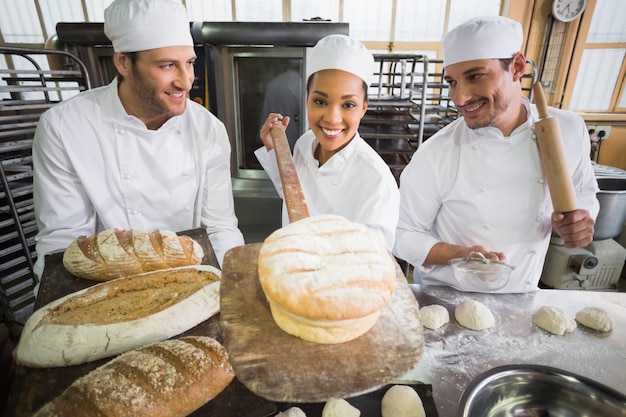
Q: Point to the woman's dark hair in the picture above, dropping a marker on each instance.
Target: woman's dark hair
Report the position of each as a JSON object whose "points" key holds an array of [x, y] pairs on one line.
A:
{"points": [[310, 81]]}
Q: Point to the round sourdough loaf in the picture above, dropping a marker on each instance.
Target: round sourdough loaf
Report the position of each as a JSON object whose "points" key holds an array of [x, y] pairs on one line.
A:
{"points": [[326, 278]]}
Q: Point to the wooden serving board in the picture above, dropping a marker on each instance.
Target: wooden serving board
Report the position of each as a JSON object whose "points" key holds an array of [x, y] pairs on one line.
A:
{"points": [[280, 367]]}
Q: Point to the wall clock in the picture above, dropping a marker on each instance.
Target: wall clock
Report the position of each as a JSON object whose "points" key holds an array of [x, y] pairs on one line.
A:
{"points": [[568, 10]]}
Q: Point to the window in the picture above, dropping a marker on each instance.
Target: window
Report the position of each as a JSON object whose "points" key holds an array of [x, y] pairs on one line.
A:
{"points": [[599, 85], [307, 9], [596, 83]]}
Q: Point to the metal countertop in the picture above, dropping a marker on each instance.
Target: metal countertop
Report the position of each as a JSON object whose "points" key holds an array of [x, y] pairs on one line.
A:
{"points": [[454, 355]]}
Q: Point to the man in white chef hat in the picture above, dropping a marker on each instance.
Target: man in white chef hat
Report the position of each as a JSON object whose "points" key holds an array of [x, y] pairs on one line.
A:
{"points": [[339, 172], [478, 185], [136, 153]]}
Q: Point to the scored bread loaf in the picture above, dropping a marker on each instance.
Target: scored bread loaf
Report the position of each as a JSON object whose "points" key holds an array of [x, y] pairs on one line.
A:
{"points": [[326, 278], [119, 315], [115, 253], [171, 378]]}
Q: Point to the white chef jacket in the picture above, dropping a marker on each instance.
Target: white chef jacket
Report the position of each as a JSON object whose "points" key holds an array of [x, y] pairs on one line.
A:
{"points": [[96, 167], [354, 183], [476, 187]]}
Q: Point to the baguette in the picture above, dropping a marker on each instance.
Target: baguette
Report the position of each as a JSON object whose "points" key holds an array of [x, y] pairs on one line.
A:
{"points": [[165, 379], [112, 317], [115, 253]]}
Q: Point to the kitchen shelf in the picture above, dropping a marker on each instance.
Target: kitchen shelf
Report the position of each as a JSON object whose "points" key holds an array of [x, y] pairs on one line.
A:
{"points": [[32, 81]]}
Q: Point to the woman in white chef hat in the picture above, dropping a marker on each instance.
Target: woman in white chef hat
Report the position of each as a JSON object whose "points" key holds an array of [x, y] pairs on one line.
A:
{"points": [[136, 153], [339, 172]]}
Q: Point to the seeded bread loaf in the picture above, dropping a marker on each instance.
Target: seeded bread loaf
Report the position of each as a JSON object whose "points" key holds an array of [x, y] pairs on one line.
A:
{"points": [[326, 278], [171, 378], [115, 253], [113, 317]]}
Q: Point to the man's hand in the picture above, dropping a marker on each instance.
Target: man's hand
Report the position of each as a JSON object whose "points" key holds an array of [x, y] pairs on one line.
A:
{"points": [[575, 228], [442, 252]]}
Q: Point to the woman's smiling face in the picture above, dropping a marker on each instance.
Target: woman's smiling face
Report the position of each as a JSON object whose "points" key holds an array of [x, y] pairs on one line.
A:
{"points": [[336, 102]]}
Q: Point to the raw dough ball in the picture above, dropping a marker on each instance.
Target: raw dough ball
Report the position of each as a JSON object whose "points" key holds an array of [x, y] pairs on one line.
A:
{"points": [[402, 401], [434, 316], [292, 412], [340, 408], [595, 318], [554, 320], [474, 315]]}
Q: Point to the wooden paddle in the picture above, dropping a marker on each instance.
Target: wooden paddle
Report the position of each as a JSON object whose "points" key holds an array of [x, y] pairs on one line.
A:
{"points": [[292, 190], [280, 367], [553, 156]]}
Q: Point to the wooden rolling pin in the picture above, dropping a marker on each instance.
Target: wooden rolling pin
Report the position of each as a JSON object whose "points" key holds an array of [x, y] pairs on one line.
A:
{"points": [[553, 156], [292, 190]]}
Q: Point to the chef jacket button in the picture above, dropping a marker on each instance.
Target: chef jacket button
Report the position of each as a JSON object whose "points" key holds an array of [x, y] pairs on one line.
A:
{"points": [[538, 218], [132, 212], [541, 181], [534, 136], [474, 147], [483, 189], [187, 209], [179, 131], [486, 226], [335, 182], [186, 173], [533, 252]]}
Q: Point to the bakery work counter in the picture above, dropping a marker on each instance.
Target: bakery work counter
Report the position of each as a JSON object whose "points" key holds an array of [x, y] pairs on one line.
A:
{"points": [[453, 355]]}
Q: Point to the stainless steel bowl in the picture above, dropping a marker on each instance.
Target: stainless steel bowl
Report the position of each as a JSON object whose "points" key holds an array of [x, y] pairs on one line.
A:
{"points": [[538, 391], [477, 273]]}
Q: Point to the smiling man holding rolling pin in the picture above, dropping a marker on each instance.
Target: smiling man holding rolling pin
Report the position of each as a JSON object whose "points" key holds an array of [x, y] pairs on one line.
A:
{"points": [[483, 183]]}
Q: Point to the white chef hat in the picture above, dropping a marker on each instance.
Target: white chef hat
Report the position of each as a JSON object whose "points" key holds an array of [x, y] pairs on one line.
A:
{"points": [[341, 52], [491, 37], [139, 25]]}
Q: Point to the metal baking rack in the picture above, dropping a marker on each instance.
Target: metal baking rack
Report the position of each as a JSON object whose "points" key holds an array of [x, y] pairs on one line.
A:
{"points": [[31, 81]]}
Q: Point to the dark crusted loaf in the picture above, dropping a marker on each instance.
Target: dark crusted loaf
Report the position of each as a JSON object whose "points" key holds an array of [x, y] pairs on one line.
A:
{"points": [[164, 379]]}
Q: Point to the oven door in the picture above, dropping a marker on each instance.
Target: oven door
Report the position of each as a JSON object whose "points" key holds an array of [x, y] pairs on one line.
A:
{"points": [[253, 82]]}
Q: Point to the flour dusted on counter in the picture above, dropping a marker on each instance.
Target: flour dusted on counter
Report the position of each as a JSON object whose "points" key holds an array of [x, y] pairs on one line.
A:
{"points": [[467, 353]]}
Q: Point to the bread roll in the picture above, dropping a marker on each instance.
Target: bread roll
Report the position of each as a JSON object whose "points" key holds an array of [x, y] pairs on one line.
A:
{"points": [[474, 315], [292, 412], [554, 320], [402, 401], [340, 408], [595, 318], [116, 316], [326, 278], [166, 379], [117, 253]]}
